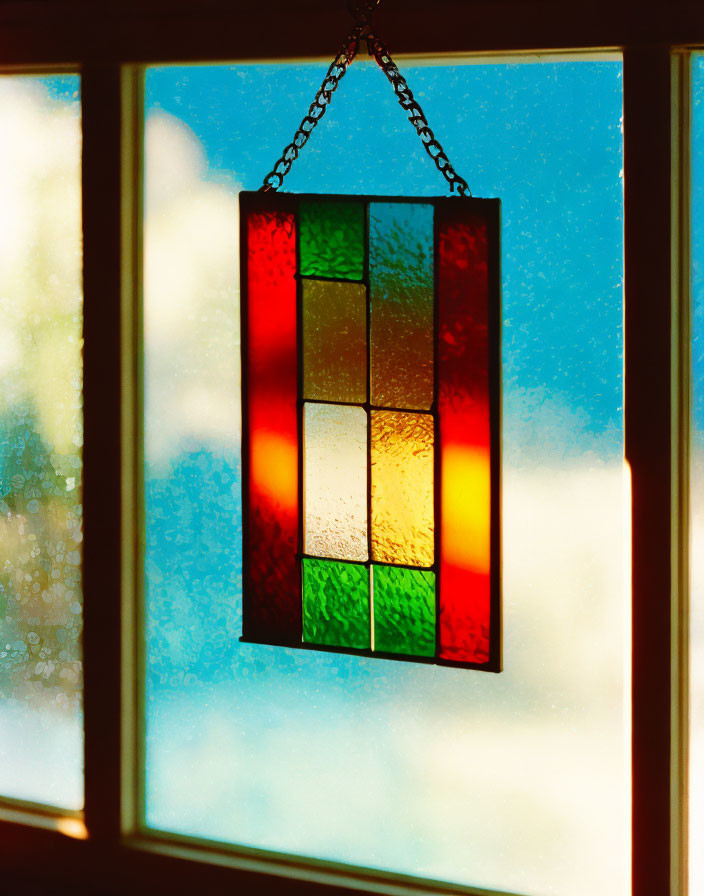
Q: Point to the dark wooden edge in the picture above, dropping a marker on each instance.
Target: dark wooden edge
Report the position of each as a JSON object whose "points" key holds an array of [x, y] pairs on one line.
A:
{"points": [[647, 148], [102, 458], [38, 860], [76, 31]]}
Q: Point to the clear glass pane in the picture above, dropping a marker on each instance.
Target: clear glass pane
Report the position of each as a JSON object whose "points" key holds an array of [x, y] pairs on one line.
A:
{"points": [[41, 434], [335, 481], [518, 781], [696, 772]]}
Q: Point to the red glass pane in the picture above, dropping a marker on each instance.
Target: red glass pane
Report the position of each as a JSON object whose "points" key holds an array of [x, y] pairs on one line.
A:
{"points": [[272, 601], [463, 358]]}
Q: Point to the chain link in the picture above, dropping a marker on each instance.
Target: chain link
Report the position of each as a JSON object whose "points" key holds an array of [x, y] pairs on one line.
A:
{"points": [[415, 114], [343, 60], [334, 75]]}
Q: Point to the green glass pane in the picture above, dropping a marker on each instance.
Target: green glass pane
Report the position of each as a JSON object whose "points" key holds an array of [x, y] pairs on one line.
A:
{"points": [[336, 604], [334, 341], [332, 239], [401, 300], [404, 610]]}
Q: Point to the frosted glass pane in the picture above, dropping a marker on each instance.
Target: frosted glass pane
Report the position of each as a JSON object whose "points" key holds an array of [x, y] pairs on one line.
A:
{"points": [[41, 434], [402, 457], [335, 481], [696, 756], [519, 781]]}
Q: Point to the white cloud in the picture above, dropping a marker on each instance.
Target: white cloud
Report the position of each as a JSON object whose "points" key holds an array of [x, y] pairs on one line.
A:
{"points": [[191, 296]]}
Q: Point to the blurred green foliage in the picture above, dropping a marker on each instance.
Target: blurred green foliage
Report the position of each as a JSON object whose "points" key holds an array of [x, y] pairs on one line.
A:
{"points": [[40, 395]]}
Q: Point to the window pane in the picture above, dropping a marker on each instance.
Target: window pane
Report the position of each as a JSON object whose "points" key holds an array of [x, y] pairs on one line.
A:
{"points": [[41, 434], [517, 781], [696, 772]]}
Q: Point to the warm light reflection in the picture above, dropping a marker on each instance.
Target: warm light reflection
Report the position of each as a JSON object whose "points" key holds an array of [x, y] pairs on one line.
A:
{"points": [[72, 827], [274, 468], [466, 492]]}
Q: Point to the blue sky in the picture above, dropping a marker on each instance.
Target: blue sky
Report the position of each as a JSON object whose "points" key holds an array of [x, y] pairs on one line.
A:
{"points": [[698, 241], [546, 138]]}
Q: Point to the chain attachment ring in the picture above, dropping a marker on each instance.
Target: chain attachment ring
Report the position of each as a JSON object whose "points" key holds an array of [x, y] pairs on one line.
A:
{"points": [[362, 10]]}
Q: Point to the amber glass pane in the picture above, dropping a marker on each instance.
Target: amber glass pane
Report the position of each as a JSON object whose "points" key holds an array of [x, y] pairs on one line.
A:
{"points": [[402, 488], [335, 481], [401, 292], [404, 610], [334, 341], [336, 604], [332, 239]]}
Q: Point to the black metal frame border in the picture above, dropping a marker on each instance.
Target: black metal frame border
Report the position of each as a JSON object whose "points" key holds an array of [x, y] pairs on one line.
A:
{"points": [[491, 213]]}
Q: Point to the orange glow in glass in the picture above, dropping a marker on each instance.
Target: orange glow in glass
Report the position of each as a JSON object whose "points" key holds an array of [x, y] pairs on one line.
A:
{"points": [[466, 494], [463, 359], [270, 434]]}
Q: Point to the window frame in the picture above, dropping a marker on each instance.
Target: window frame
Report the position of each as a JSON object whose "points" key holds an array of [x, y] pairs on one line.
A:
{"points": [[108, 46]]}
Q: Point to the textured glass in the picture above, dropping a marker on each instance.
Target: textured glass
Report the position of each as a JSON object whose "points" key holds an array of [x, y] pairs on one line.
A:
{"points": [[334, 341], [402, 488], [272, 602], [517, 782], [696, 728], [401, 295], [335, 481], [336, 604], [332, 239], [464, 424], [41, 434], [404, 610]]}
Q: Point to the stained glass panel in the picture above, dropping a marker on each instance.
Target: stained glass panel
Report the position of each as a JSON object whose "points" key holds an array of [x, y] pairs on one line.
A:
{"points": [[369, 480]]}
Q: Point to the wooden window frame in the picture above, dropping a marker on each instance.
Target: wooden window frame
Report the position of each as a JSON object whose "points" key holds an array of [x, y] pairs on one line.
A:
{"points": [[108, 43]]}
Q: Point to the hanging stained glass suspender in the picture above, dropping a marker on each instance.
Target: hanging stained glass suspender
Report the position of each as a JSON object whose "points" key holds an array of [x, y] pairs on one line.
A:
{"points": [[371, 411]]}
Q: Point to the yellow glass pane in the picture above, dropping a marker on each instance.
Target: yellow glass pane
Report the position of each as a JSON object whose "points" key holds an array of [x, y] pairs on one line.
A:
{"points": [[402, 488], [335, 481]]}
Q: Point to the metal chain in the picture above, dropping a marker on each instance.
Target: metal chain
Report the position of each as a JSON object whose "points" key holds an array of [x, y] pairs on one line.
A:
{"points": [[335, 73], [415, 115], [341, 63]]}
